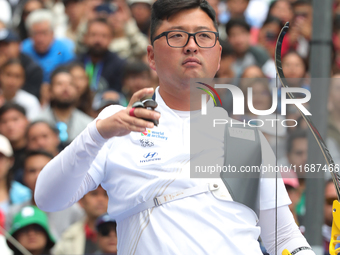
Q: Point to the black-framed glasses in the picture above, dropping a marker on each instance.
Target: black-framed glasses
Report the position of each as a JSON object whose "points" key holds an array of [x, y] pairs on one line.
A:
{"points": [[179, 39]]}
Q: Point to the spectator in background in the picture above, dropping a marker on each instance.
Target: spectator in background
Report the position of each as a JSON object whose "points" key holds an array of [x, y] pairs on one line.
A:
{"points": [[261, 100], [13, 125], [330, 196], [108, 98], [300, 31], [30, 228], [227, 74], [291, 183], [12, 192], [62, 112], [23, 9], [296, 152], [141, 12], [10, 48], [333, 132], [12, 78], [104, 68], [253, 72], [75, 10], [238, 32], [137, 76], [81, 82], [302, 123], [293, 113], [58, 221], [336, 43], [295, 70], [81, 237], [90, 13], [106, 235], [218, 6], [296, 159], [42, 47], [59, 19], [336, 7], [42, 136], [281, 9], [127, 41], [269, 33], [228, 58], [261, 95], [253, 11], [236, 9]]}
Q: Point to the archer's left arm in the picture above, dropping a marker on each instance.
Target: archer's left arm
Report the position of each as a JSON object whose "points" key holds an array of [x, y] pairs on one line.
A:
{"points": [[289, 236]]}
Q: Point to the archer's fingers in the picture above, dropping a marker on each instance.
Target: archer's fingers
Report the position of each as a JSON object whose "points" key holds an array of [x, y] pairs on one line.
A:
{"points": [[137, 121], [135, 128], [146, 114], [140, 94]]}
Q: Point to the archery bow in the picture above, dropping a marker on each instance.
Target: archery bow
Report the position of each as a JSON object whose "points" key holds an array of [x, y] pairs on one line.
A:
{"points": [[322, 145]]}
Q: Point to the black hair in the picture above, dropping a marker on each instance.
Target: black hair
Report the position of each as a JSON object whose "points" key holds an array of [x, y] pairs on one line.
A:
{"points": [[302, 2], [136, 67], [97, 20], [272, 19], [336, 23], [106, 227], [293, 52], [21, 28], [12, 61], [74, 64], [296, 134], [237, 22], [54, 129], [49, 242], [32, 153], [58, 70], [11, 106], [86, 98], [67, 2], [164, 9], [273, 3]]}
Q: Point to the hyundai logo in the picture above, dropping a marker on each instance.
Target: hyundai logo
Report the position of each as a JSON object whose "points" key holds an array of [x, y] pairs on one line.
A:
{"points": [[150, 155]]}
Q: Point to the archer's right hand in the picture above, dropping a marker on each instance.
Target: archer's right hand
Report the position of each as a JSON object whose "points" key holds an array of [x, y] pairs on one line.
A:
{"points": [[122, 123]]}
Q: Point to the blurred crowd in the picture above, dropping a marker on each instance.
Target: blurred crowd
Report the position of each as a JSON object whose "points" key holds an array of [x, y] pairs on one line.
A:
{"points": [[63, 61]]}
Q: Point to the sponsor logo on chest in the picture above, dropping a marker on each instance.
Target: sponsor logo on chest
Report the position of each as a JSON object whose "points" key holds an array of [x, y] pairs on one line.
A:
{"points": [[154, 134], [149, 157]]}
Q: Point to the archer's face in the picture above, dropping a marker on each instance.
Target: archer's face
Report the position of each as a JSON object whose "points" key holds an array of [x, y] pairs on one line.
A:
{"points": [[172, 65]]}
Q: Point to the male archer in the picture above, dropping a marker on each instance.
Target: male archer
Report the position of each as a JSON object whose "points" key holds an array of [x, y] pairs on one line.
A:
{"points": [[158, 208]]}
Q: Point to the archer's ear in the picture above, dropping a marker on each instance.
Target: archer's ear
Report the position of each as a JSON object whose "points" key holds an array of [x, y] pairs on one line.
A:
{"points": [[219, 60], [151, 57]]}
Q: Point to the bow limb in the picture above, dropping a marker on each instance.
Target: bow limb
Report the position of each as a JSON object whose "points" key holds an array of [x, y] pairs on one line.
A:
{"points": [[329, 160]]}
